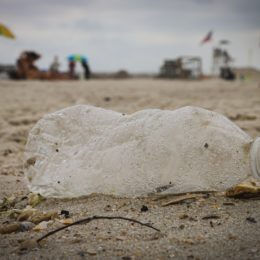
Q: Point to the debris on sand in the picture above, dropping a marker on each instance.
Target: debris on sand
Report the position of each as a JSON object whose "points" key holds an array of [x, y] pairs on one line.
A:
{"points": [[144, 208], [42, 225], [65, 213], [146, 138], [35, 199], [251, 219], [242, 117], [10, 228], [180, 199], [26, 218], [244, 190], [211, 217]]}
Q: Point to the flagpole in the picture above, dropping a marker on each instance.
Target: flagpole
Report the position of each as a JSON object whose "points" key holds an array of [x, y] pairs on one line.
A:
{"points": [[213, 61], [208, 38], [250, 54]]}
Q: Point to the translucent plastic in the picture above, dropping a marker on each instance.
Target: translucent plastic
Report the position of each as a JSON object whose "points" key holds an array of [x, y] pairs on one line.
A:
{"points": [[83, 149]]}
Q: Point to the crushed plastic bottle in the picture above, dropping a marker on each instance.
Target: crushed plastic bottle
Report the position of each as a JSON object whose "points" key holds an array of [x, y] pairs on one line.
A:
{"points": [[84, 149]]}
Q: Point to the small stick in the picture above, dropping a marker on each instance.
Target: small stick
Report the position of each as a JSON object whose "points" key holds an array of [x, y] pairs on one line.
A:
{"points": [[163, 196], [179, 199], [89, 219]]}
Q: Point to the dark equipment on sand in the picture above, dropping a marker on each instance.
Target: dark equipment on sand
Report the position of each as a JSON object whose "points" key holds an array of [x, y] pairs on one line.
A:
{"points": [[222, 64], [184, 67], [227, 74]]}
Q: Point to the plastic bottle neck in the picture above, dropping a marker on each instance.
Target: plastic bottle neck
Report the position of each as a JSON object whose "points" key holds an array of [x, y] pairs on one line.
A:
{"points": [[255, 158]]}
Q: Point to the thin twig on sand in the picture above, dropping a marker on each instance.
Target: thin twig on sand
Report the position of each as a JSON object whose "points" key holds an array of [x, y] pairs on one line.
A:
{"points": [[89, 219]]}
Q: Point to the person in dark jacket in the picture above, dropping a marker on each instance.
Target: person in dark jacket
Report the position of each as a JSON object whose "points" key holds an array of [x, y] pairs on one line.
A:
{"points": [[85, 66]]}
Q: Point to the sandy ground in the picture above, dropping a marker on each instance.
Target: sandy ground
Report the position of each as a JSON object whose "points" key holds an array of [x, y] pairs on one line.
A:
{"points": [[234, 233]]}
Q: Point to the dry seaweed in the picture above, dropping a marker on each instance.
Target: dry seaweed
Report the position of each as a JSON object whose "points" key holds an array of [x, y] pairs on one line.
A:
{"points": [[245, 190]]}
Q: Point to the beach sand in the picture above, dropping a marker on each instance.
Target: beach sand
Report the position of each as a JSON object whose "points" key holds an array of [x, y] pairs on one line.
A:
{"points": [[234, 232]]}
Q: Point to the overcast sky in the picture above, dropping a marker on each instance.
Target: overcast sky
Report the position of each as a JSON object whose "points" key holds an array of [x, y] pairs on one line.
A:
{"points": [[136, 35]]}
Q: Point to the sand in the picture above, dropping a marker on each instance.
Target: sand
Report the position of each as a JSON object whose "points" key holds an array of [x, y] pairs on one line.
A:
{"points": [[184, 233]]}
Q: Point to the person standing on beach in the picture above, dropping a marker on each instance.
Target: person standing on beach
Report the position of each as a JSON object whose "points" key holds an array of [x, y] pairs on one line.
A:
{"points": [[72, 68], [54, 67], [85, 66]]}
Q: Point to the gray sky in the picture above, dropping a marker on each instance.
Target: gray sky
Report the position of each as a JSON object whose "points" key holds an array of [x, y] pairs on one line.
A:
{"points": [[136, 35]]}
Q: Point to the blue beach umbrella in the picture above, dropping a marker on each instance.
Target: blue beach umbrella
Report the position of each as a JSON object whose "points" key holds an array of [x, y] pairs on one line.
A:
{"points": [[77, 57]]}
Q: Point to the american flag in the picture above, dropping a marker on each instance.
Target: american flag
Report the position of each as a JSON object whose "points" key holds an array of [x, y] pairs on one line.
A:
{"points": [[207, 38]]}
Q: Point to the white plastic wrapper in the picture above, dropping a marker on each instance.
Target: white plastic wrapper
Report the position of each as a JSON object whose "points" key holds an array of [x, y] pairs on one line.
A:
{"points": [[83, 149]]}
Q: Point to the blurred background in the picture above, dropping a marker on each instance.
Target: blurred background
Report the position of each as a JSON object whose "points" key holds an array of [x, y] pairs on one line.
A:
{"points": [[131, 35]]}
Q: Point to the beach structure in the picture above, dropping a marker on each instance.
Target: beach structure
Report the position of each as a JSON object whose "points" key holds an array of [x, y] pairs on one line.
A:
{"points": [[7, 71], [184, 67], [221, 64]]}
